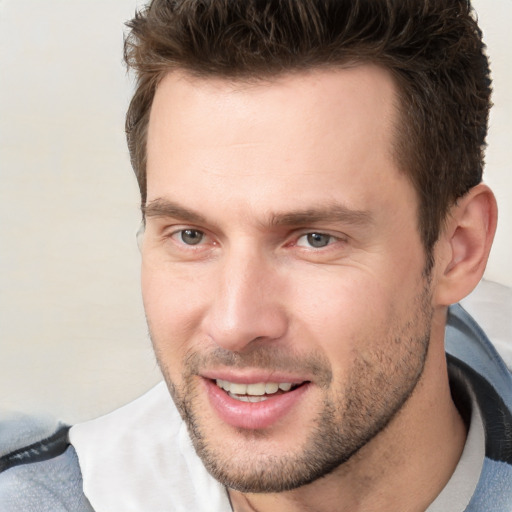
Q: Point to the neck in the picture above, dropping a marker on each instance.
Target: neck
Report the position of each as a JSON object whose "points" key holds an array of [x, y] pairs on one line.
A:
{"points": [[404, 467]]}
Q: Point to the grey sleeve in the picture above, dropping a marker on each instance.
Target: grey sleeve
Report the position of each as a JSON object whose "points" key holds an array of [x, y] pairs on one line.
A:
{"points": [[39, 469], [53, 485]]}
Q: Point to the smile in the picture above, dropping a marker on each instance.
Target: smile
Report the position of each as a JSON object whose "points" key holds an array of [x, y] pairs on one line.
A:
{"points": [[257, 392], [255, 405]]}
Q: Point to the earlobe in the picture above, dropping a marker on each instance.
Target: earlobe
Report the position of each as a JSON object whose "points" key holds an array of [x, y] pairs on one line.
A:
{"points": [[464, 245]]}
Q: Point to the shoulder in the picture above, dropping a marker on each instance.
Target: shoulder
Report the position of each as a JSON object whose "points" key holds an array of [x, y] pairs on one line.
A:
{"points": [[479, 334], [480, 365], [39, 469], [484, 373], [491, 306], [493, 493]]}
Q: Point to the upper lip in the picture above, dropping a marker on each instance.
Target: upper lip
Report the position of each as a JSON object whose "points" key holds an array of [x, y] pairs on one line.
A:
{"points": [[248, 376]]}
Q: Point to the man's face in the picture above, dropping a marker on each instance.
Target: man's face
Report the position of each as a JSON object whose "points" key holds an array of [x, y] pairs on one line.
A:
{"points": [[282, 269]]}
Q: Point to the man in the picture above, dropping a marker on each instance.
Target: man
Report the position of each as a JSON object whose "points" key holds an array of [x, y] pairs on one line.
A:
{"points": [[310, 176]]}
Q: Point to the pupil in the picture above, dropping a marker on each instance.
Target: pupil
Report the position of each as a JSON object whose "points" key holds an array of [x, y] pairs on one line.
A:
{"points": [[191, 236], [318, 240]]}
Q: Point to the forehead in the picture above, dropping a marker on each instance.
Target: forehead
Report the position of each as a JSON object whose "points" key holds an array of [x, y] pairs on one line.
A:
{"points": [[325, 98], [297, 136]]}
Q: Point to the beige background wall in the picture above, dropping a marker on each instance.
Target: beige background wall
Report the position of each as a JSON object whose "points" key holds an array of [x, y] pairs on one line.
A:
{"points": [[72, 336]]}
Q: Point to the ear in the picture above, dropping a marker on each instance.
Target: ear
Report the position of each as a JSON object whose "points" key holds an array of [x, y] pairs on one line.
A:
{"points": [[464, 245]]}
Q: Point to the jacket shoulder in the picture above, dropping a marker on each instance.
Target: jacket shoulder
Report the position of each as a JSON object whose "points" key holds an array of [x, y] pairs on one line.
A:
{"points": [[39, 470]]}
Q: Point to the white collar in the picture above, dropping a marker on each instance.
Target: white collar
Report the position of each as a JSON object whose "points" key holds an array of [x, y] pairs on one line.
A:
{"points": [[139, 458], [459, 490]]}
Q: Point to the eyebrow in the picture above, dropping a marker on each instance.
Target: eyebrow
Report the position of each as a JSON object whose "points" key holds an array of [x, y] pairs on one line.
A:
{"points": [[164, 208], [334, 212], [331, 213]]}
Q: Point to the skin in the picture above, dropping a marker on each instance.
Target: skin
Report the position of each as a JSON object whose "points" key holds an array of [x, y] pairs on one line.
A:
{"points": [[252, 169]]}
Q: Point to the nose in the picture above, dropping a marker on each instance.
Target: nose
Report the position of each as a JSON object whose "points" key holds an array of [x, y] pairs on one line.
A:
{"points": [[246, 306]]}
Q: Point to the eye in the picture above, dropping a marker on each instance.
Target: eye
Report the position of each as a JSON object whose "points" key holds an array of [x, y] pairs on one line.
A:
{"points": [[315, 240], [190, 236]]}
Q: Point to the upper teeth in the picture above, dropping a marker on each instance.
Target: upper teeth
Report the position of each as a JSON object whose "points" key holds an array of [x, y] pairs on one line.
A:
{"points": [[258, 389]]}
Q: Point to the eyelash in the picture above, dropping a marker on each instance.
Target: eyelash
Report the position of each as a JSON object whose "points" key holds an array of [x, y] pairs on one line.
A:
{"points": [[177, 237], [310, 241], [182, 232]]}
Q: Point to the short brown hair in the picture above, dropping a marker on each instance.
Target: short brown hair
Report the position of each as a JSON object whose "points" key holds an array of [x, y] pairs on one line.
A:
{"points": [[433, 48]]}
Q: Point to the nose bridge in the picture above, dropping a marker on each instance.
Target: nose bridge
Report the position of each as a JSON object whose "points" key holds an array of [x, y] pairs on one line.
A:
{"points": [[246, 304]]}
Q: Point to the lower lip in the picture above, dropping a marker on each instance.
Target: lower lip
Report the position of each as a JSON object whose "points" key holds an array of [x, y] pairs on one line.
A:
{"points": [[253, 415]]}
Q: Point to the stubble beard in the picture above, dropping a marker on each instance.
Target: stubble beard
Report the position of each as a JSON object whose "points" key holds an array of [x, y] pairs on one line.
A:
{"points": [[379, 386]]}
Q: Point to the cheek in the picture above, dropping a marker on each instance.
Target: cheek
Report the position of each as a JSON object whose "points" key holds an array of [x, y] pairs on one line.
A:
{"points": [[349, 315], [173, 305], [342, 301]]}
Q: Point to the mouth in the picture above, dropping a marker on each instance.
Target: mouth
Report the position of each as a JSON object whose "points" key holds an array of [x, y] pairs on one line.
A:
{"points": [[256, 392], [256, 405]]}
